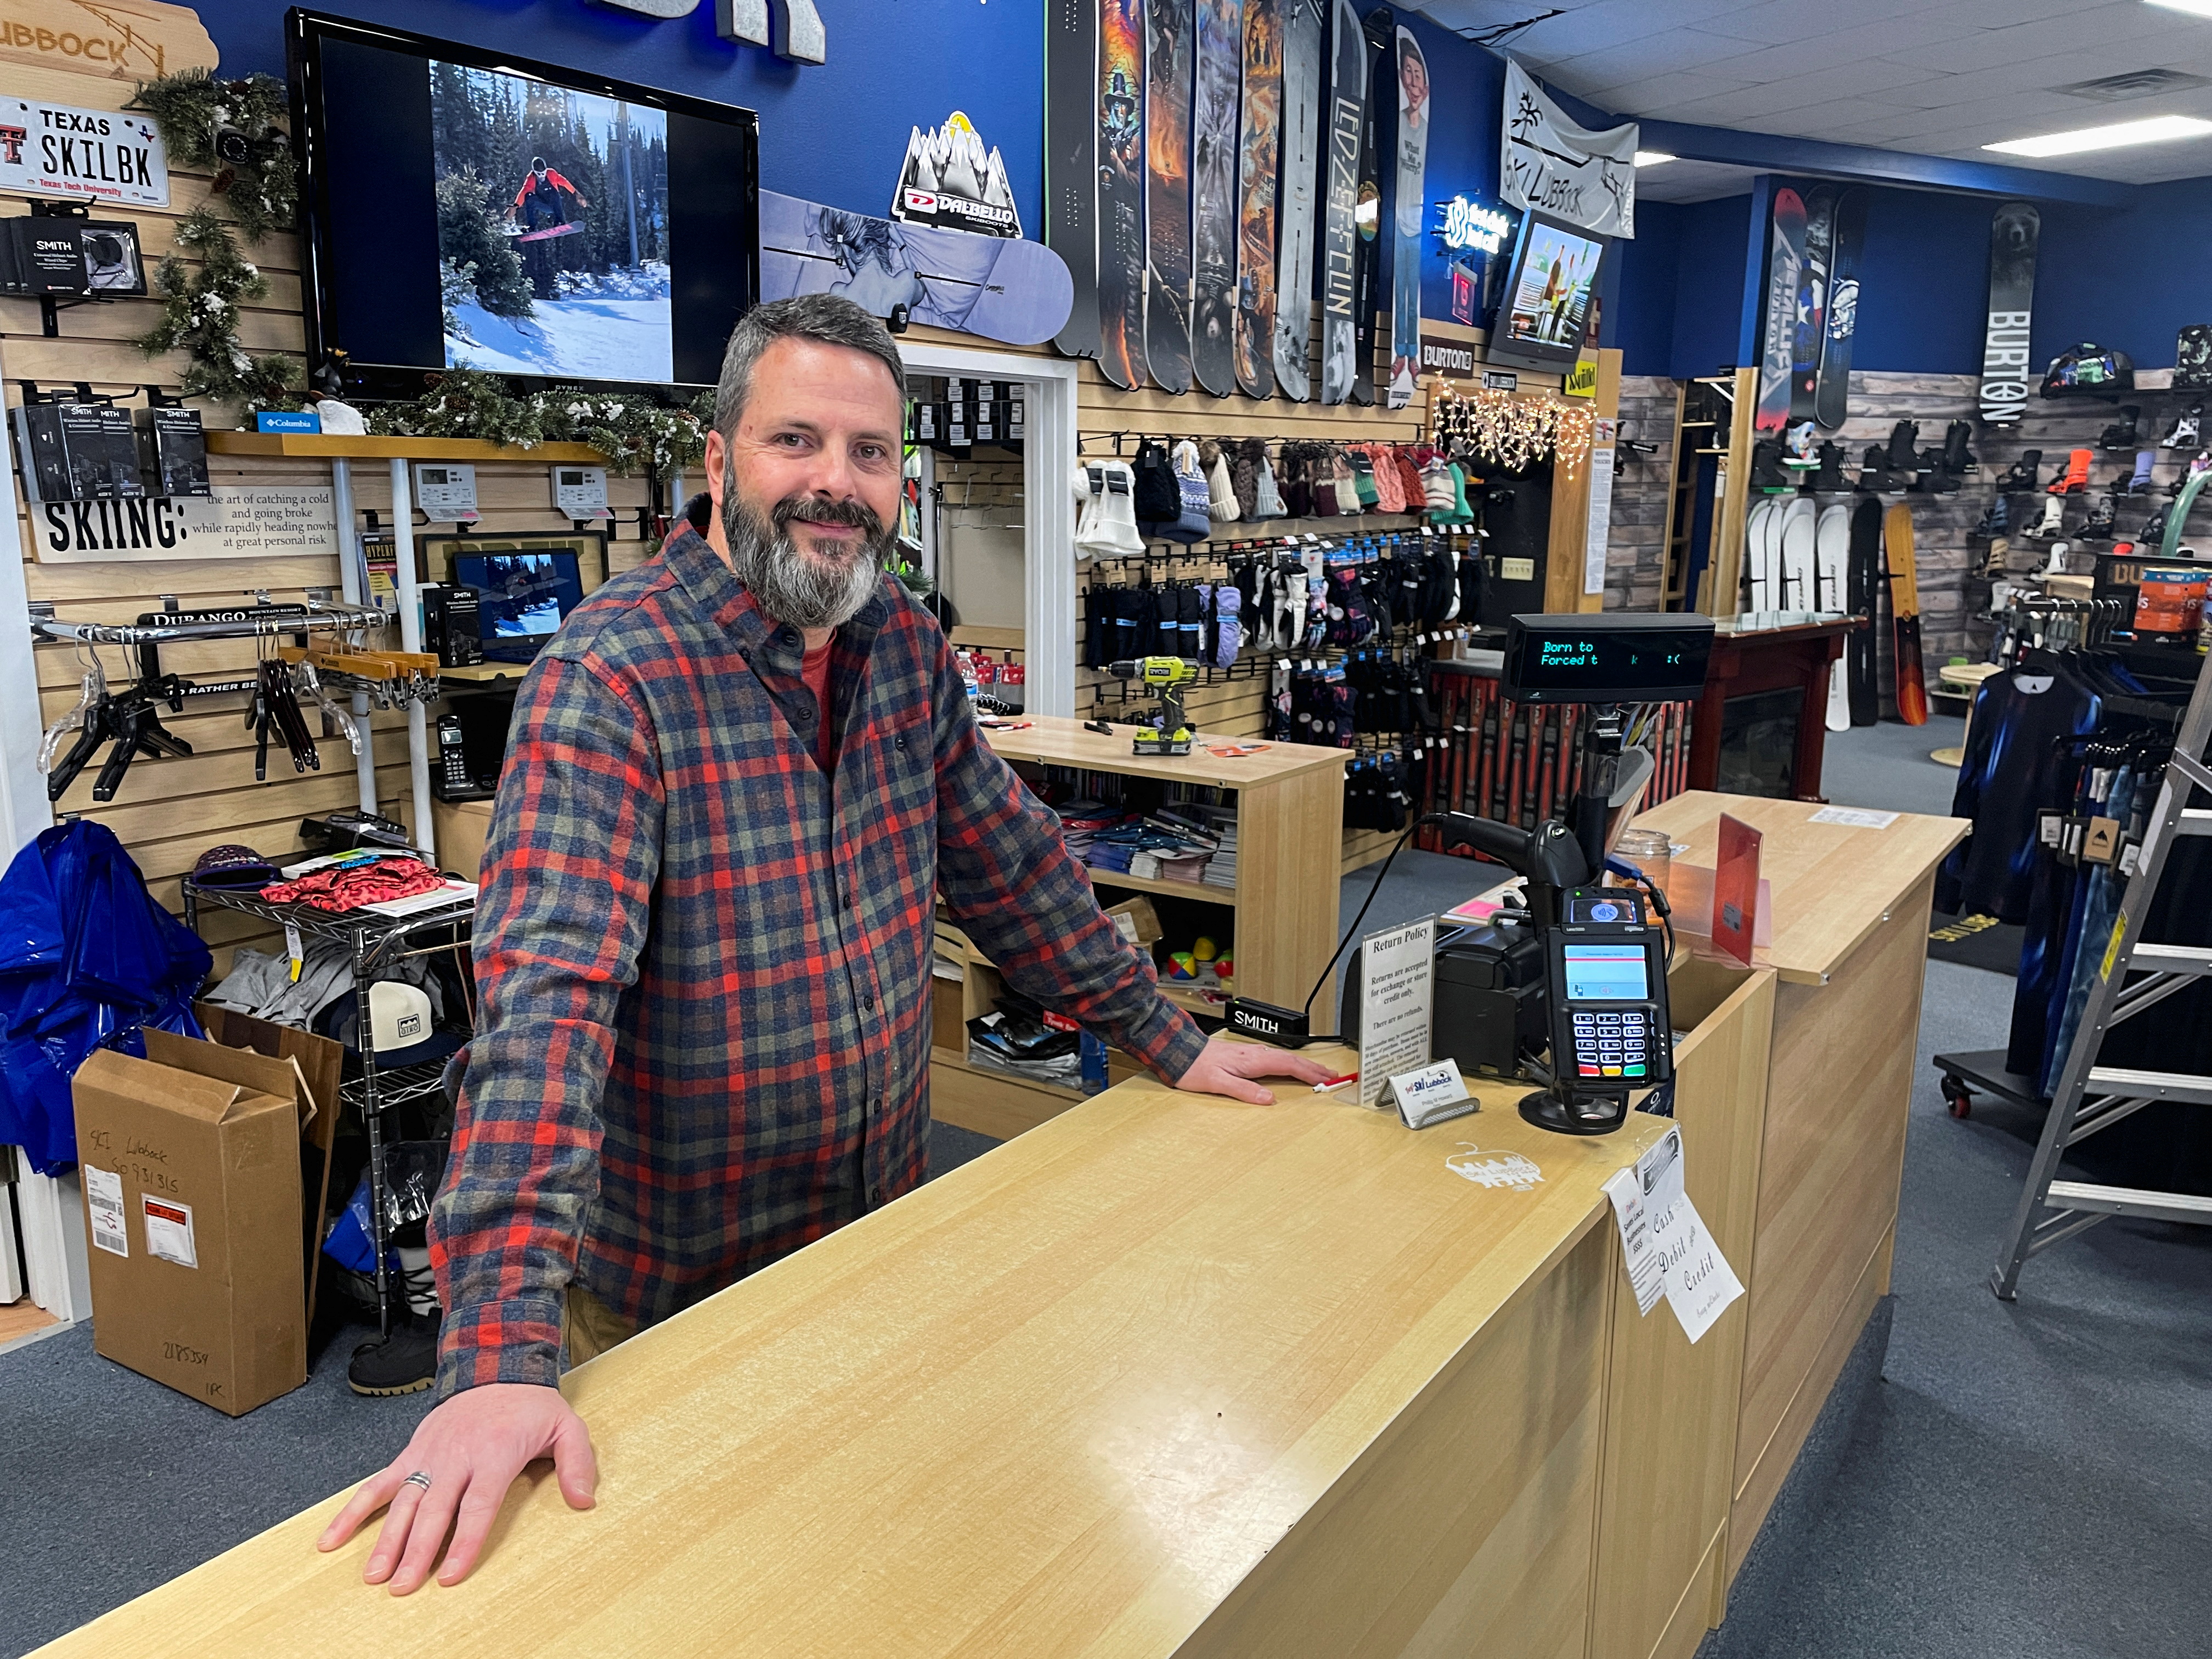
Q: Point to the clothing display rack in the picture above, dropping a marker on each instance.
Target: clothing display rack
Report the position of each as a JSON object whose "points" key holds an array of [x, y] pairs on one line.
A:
{"points": [[372, 942]]}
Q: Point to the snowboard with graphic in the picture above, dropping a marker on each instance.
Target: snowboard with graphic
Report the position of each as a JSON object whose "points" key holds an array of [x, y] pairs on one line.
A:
{"points": [[1831, 396], [1378, 152], [1002, 288], [1259, 154], [1811, 333], [1121, 191], [1905, 607], [515, 233], [1170, 25], [1862, 578], [1410, 71], [1216, 123], [2014, 230], [1340, 240], [1071, 163], [1304, 29], [1785, 258]]}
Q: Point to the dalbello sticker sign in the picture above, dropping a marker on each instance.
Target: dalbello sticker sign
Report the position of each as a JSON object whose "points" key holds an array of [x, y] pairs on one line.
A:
{"points": [[58, 150]]}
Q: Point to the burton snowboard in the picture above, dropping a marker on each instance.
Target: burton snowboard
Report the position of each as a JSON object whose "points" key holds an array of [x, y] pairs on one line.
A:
{"points": [[1216, 125], [1811, 332], [1169, 25], [1785, 257], [2014, 231], [1259, 153], [1412, 70], [1862, 577], [1831, 547], [999, 287], [1832, 397], [1304, 31], [1121, 191], [1071, 164], [1347, 119], [1378, 149], [1904, 605]]}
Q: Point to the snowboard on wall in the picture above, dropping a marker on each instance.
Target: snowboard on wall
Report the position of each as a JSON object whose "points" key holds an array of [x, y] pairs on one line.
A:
{"points": [[1831, 547], [1811, 332], [1168, 26], [1785, 258], [1000, 287], [1831, 396], [1861, 579], [1304, 31], [1339, 239], [1905, 606], [1758, 581], [1071, 163], [1259, 152], [1800, 525], [1410, 71], [2014, 229], [1378, 147], [1216, 123], [1121, 191]]}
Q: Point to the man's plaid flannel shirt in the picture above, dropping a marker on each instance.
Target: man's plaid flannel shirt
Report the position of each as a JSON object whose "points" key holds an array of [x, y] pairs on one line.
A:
{"points": [[704, 1026]]}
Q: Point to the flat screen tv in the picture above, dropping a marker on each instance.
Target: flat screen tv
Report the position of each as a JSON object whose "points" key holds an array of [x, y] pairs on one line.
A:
{"points": [[1544, 310], [465, 207]]}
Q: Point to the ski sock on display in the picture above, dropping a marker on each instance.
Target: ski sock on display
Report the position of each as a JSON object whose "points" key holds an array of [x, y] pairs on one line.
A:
{"points": [[1228, 625], [2121, 435], [2140, 484], [2183, 434], [2021, 474], [2075, 478], [2053, 520]]}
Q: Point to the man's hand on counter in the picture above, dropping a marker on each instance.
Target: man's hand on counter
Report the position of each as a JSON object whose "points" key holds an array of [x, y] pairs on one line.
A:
{"points": [[1224, 1067], [470, 1449]]}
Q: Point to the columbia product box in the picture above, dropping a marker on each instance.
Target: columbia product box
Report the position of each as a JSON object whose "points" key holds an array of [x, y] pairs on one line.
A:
{"points": [[172, 452], [287, 420], [191, 1164]]}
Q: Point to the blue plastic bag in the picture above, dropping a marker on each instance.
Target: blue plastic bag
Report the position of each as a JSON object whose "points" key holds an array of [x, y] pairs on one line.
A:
{"points": [[87, 960]]}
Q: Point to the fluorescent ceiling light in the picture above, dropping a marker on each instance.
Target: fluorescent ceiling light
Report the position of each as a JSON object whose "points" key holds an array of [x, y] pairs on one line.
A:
{"points": [[1653, 158], [2158, 129], [2194, 8]]}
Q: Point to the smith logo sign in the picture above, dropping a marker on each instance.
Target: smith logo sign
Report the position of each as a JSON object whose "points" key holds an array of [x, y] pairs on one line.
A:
{"points": [[795, 32]]}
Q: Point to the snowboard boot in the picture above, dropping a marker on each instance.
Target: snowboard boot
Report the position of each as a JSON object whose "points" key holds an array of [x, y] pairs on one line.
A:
{"points": [[1904, 448], [1997, 520], [1830, 477], [1959, 460], [2075, 478], [2121, 435], [1767, 472], [2184, 433], [2021, 474], [1873, 470], [2140, 484], [2053, 520], [2100, 526], [1936, 478]]}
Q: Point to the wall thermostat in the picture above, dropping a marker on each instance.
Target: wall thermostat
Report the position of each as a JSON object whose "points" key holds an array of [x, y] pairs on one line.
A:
{"points": [[446, 491], [580, 492]]}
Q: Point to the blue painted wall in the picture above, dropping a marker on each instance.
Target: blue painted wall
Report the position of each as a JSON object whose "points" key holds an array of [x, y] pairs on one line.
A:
{"points": [[2131, 277], [1681, 287]]}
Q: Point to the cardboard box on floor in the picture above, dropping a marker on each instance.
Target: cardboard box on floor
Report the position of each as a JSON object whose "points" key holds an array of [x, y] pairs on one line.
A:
{"points": [[191, 1165]]}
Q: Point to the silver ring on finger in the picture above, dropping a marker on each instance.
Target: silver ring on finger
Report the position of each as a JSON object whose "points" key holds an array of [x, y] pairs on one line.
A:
{"points": [[417, 1478]]}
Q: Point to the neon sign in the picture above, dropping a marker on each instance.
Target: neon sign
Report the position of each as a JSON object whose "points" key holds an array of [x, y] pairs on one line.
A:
{"points": [[1470, 225]]}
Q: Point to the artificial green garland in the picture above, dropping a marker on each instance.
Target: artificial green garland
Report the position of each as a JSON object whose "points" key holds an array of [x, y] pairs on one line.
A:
{"points": [[232, 130], [633, 432]]}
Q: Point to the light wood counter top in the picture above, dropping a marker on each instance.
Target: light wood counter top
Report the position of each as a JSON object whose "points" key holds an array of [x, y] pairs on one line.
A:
{"points": [[1833, 883], [1061, 741], [1065, 1400]]}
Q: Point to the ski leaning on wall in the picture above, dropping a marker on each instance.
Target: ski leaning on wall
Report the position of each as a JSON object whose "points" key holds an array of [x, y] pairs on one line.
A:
{"points": [[1347, 117], [1071, 163], [1810, 334], [1785, 258], [1216, 125], [1121, 191], [1413, 110], [1259, 153], [1170, 25], [1303, 30], [2014, 229], [1831, 396]]}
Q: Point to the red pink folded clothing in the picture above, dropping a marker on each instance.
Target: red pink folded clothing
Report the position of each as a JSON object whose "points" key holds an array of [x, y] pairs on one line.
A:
{"points": [[354, 886]]}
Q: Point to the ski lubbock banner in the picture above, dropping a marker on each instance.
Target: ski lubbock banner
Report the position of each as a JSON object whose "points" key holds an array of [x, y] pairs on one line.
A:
{"points": [[1548, 163]]}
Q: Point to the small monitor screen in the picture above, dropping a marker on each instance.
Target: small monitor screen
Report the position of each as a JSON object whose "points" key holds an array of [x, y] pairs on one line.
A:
{"points": [[520, 596], [1550, 302], [1606, 973]]}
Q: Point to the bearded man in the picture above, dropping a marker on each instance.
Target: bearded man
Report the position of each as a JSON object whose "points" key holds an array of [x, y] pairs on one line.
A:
{"points": [[739, 781]]}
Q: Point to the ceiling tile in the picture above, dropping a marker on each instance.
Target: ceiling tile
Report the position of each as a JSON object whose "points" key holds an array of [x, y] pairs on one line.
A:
{"points": [[1782, 21], [1643, 62]]}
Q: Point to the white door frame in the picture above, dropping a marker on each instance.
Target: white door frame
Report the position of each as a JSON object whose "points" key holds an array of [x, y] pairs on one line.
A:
{"points": [[1047, 508], [54, 1256]]}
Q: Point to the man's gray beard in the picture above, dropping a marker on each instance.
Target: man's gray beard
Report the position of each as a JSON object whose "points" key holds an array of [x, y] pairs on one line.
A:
{"points": [[791, 586]]}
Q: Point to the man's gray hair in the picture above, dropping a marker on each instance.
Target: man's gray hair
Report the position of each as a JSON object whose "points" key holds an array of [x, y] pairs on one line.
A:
{"points": [[825, 317]]}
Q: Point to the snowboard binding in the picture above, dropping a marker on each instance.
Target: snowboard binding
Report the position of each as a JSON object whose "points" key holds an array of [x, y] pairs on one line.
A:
{"points": [[2053, 522], [2140, 484], [2098, 528], [2184, 433], [1996, 519], [2121, 435], [2021, 475], [2075, 478]]}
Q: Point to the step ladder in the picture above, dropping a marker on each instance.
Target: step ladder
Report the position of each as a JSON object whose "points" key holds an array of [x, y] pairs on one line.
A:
{"points": [[2135, 975]]}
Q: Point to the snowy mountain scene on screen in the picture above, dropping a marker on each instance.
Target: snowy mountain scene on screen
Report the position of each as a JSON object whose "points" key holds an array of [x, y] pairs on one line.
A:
{"points": [[552, 228]]}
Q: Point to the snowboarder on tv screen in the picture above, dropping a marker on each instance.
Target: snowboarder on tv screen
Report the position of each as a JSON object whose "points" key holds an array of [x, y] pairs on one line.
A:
{"points": [[537, 204]]}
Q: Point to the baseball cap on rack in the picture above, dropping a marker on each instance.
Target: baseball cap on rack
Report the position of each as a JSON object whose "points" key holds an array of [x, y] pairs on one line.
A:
{"points": [[233, 865]]}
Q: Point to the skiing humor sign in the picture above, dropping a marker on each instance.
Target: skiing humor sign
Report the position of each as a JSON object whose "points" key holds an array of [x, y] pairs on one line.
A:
{"points": [[1548, 163], [56, 149]]}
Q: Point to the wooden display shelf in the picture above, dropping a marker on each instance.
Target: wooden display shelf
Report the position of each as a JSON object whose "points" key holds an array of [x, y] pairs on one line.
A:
{"points": [[1204, 892], [1061, 741], [370, 448]]}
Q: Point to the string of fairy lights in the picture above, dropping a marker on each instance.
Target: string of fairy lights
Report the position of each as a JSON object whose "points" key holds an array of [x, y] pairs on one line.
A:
{"points": [[1512, 432]]}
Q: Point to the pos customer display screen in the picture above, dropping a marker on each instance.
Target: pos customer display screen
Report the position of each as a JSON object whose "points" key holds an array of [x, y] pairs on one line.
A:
{"points": [[1605, 973], [1639, 657], [467, 207]]}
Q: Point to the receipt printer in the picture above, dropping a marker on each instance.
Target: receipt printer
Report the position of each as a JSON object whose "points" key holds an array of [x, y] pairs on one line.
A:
{"points": [[1489, 999]]}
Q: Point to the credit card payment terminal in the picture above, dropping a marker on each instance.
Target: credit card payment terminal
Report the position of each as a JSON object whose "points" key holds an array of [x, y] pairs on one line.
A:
{"points": [[1607, 966]]}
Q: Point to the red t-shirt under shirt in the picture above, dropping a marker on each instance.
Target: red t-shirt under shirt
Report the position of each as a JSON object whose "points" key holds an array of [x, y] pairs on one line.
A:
{"points": [[814, 669]]}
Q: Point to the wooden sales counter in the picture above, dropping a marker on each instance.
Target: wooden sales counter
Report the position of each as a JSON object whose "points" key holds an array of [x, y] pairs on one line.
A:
{"points": [[1172, 1375]]}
